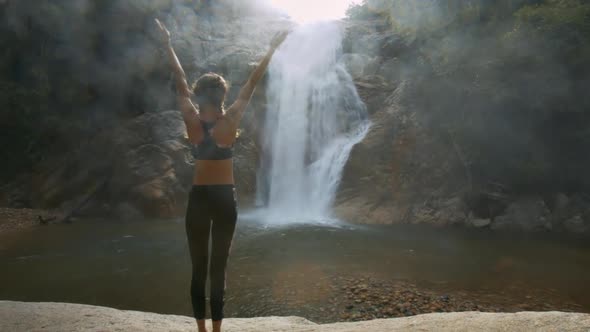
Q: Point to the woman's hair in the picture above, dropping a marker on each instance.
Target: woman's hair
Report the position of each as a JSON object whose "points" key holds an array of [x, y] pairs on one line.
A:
{"points": [[210, 89]]}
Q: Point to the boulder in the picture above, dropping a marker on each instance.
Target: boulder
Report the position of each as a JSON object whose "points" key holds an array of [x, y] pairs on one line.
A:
{"points": [[127, 211], [158, 197], [146, 162], [560, 202], [481, 222], [390, 70], [525, 214], [356, 64], [394, 45], [577, 225], [451, 212], [571, 213]]}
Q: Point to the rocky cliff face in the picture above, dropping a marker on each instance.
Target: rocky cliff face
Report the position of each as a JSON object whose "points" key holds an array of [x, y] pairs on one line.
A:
{"points": [[119, 144], [414, 167], [96, 105]]}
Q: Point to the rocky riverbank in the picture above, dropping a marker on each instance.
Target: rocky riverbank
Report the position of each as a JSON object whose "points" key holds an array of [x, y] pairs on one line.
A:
{"points": [[360, 298], [12, 220], [370, 298], [411, 168], [23, 316]]}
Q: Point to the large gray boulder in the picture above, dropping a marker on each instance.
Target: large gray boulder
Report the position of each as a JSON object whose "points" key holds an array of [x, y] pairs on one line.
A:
{"points": [[524, 214], [572, 213]]}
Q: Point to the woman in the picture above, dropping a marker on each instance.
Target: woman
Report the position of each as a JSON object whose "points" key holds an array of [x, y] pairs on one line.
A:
{"points": [[212, 201]]}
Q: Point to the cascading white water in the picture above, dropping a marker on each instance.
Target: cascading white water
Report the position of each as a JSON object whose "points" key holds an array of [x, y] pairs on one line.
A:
{"points": [[313, 120]]}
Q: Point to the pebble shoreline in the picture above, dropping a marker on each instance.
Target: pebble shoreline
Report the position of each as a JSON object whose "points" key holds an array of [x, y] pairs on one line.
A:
{"points": [[366, 298], [12, 220], [360, 298]]}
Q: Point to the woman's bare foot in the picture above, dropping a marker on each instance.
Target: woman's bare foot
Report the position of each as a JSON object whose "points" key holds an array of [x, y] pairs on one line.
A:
{"points": [[201, 325], [216, 326]]}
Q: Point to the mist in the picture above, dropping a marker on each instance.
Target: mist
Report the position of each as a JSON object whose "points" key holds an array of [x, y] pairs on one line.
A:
{"points": [[512, 95], [84, 66]]}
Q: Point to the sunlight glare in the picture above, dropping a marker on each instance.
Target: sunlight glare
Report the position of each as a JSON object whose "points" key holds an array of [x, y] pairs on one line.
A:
{"points": [[313, 10]]}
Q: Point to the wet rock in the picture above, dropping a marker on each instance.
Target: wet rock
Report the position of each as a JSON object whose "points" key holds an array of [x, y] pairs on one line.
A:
{"points": [[390, 70], [394, 45], [452, 211], [577, 225], [571, 213], [157, 198], [525, 214], [154, 173], [503, 223], [353, 64], [561, 201], [372, 67], [147, 162], [480, 223], [127, 211], [356, 63]]}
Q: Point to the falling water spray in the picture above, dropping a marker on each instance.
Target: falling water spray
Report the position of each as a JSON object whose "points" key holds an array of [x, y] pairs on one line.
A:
{"points": [[314, 119]]}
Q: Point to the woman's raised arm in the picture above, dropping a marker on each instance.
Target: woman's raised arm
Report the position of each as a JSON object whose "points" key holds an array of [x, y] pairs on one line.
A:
{"points": [[188, 109], [237, 109]]}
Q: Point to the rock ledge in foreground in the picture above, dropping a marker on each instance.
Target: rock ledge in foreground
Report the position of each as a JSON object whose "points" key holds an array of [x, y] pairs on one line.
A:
{"points": [[49, 316]]}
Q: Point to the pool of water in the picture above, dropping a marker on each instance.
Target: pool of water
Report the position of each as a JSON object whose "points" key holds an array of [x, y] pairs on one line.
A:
{"points": [[288, 269]]}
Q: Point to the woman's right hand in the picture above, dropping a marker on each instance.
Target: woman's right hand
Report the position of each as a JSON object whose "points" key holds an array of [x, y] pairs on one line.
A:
{"points": [[164, 34]]}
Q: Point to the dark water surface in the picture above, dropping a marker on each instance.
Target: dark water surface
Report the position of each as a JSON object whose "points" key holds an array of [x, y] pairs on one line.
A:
{"points": [[287, 270]]}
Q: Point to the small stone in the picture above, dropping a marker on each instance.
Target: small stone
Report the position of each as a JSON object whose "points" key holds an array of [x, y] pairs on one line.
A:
{"points": [[479, 223], [576, 225]]}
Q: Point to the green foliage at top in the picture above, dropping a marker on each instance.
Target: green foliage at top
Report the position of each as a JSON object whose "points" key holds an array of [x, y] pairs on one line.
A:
{"points": [[549, 16], [506, 79], [556, 15], [561, 25]]}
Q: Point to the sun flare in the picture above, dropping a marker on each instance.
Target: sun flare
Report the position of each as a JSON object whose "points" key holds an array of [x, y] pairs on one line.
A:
{"points": [[313, 10]]}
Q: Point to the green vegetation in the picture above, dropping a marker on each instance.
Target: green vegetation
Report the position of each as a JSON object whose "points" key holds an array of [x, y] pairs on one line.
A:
{"points": [[505, 80]]}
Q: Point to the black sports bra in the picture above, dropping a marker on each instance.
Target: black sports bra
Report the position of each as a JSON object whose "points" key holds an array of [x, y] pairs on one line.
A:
{"points": [[208, 149]]}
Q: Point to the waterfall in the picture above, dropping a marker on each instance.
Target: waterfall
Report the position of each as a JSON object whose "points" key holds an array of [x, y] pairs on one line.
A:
{"points": [[313, 120]]}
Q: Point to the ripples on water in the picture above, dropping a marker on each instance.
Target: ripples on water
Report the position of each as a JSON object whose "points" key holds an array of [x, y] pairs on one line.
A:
{"points": [[285, 269]]}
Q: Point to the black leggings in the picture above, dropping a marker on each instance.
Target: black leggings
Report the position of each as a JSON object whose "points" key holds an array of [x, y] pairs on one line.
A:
{"points": [[211, 209]]}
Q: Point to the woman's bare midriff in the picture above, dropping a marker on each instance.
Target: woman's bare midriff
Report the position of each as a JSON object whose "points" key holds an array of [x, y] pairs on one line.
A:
{"points": [[211, 172]]}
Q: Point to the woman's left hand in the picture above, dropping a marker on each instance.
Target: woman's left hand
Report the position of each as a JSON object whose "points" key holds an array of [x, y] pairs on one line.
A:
{"points": [[164, 33], [278, 39]]}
